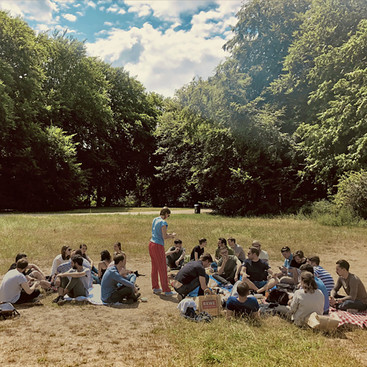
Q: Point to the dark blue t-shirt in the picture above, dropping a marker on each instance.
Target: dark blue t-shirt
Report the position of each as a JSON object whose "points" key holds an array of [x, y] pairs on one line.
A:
{"points": [[245, 308]]}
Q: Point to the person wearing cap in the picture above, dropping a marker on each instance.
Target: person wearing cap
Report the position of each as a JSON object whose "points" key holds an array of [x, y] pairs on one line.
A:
{"points": [[356, 295], [237, 249], [263, 255]]}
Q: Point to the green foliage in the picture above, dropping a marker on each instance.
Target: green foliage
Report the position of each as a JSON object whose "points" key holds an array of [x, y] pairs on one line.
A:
{"points": [[352, 193], [329, 214], [71, 126]]}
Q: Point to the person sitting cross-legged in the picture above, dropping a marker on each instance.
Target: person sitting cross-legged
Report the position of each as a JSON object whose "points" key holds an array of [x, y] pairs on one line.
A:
{"points": [[356, 295], [243, 304], [227, 267], [175, 255], [114, 287], [15, 288], [74, 282], [193, 275], [321, 273], [306, 300], [320, 285], [255, 272], [32, 272]]}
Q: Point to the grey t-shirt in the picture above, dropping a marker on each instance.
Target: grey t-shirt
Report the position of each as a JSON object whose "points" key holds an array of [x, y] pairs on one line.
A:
{"points": [[10, 287]]}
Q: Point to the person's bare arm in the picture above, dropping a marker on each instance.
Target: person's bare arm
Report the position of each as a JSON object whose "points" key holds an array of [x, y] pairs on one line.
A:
{"points": [[203, 284], [29, 289], [167, 235], [74, 274], [221, 268]]}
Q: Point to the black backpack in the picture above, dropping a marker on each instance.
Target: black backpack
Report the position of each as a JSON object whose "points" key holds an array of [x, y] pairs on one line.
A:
{"points": [[7, 311], [278, 296]]}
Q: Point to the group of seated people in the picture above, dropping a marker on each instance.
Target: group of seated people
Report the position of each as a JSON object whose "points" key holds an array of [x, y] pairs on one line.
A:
{"points": [[310, 287], [72, 274]]}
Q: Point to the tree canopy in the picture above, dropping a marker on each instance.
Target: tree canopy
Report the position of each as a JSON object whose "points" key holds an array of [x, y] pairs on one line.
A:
{"points": [[280, 122]]}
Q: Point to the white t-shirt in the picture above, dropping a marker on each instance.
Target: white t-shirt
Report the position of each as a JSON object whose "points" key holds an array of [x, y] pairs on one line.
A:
{"points": [[11, 286], [58, 260], [303, 304]]}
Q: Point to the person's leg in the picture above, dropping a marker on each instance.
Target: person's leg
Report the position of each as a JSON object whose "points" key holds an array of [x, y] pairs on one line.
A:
{"points": [[185, 289], [154, 260], [162, 268], [270, 284], [220, 279], [75, 288], [25, 298], [170, 261], [249, 283], [350, 304], [131, 278], [120, 293]]}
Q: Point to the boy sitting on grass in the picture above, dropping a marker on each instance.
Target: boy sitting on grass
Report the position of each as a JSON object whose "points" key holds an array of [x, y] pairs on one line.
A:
{"points": [[242, 305]]}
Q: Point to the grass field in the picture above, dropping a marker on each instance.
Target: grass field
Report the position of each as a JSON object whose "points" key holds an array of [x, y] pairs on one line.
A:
{"points": [[152, 333]]}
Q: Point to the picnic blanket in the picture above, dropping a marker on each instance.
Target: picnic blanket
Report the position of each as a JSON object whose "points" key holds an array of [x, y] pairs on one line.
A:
{"points": [[359, 319], [94, 296]]}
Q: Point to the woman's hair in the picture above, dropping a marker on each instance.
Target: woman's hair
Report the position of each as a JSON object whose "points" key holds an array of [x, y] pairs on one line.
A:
{"points": [[165, 211], [105, 255], [118, 244], [308, 282], [63, 253]]}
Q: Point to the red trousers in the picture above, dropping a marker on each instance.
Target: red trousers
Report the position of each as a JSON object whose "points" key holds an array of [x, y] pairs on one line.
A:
{"points": [[159, 266]]}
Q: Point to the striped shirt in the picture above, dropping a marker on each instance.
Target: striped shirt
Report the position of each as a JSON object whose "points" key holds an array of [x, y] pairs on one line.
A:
{"points": [[325, 276]]}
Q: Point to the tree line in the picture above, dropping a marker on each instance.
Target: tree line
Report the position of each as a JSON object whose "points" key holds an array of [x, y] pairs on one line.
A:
{"points": [[281, 123]]}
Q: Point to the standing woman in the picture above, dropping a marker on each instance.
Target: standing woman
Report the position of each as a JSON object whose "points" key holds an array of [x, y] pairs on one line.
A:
{"points": [[157, 253]]}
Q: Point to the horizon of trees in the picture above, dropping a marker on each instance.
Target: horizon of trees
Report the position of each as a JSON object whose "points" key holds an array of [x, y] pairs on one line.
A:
{"points": [[279, 124]]}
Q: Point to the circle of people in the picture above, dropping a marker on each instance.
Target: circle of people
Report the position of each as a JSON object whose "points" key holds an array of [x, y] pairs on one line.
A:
{"points": [[310, 287]]}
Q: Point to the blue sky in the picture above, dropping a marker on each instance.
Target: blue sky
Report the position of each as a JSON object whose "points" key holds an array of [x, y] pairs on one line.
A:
{"points": [[164, 43]]}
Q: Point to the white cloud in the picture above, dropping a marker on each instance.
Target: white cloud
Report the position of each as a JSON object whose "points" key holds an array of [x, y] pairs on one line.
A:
{"points": [[70, 17], [41, 10], [108, 24], [121, 12], [167, 60], [141, 9], [91, 4], [165, 10]]}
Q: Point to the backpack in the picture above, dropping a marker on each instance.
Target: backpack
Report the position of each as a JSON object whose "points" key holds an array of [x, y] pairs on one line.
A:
{"points": [[7, 311], [278, 296]]}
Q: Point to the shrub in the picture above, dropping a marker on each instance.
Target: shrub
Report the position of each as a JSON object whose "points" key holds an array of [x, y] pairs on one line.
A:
{"points": [[352, 193]]}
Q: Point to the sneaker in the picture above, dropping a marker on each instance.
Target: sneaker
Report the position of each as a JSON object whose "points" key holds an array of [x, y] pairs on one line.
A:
{"points": [[169, 294], [57, 299], [157, 291]]}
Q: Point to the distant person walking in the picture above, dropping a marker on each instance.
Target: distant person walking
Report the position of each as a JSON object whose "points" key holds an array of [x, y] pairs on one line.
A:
{"points": [[157, 253]]}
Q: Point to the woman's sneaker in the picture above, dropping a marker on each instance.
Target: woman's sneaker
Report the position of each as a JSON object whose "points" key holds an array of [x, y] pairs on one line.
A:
{"points": [[169, 294], [157, 291]]}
